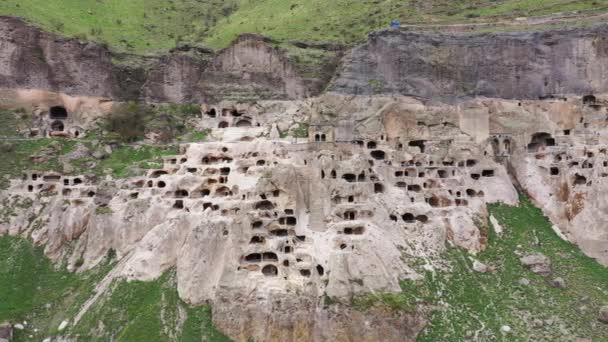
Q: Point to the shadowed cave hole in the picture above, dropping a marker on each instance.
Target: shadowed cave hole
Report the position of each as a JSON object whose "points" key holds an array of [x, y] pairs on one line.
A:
{"points": [[58, 113]]}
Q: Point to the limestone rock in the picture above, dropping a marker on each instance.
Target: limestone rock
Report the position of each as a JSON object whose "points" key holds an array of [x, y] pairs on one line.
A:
{"points": [[559, 283], [537, 263], [385, 64], [524, 282], [603, 315], [62, 326], [479, 267]]}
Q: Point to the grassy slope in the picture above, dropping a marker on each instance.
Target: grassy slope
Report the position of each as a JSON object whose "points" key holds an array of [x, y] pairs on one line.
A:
{"points": [[135, 25], [33, 290], [151, 26], [467, 301], [147, 311]]}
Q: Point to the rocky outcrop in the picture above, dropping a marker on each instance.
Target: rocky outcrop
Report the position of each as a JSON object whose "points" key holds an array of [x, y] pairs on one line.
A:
{"points": [[33, 59], [267, 229], [251, 68], [523, 65], [176, 77]]}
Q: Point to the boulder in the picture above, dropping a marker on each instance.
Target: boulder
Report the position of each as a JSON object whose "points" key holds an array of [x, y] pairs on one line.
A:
{"points": [[559, 283], [524, 282], [603, 316], [480, 267], [537, 263], [6, 332], [62, 326]]}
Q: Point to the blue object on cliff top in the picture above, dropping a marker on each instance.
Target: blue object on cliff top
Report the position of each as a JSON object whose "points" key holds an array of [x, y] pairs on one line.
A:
{"points": [[395, 23]]}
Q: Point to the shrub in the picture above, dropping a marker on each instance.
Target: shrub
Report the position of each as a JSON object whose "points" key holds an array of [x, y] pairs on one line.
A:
{"points": [[79, 263], [128, 121]]}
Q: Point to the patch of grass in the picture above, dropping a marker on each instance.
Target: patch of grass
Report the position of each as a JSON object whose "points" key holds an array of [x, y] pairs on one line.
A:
{"points": [[103, 211], [146, 311], [301, 131], [13, 122], [467, 305], [32, 289], [140, 26], [126, 161], [198, 135], [131, 121], [199, 325]]}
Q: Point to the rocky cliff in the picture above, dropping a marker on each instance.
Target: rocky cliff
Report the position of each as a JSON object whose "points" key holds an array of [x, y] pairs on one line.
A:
{"points": [[251, 68], [30, 58], [524, 65]]}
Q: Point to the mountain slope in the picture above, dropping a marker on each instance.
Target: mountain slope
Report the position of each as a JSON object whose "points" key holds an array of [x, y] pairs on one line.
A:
{"points": [[154, 26]]}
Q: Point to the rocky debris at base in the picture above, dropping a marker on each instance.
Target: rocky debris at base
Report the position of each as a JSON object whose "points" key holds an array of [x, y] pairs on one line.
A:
{"points": [[62, 326], [6, 332], [559, 283], [480, 267], [537, 263], [524, 282]]}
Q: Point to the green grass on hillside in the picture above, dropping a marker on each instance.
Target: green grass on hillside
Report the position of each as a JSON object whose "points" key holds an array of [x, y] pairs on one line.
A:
{"points": [[16, 156], [142, 26], [474, 306], [154, 26], [34, 290], [147, 311], [126, 161]]}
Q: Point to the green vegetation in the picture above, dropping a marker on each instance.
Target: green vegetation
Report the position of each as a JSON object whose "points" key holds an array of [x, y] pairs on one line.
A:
{"points": [[103, 210], [141, 26], [18, 156], [476, 305], [301, 131], [13, 122], [126, 161], [154, 26], [146, 311], [33, 290], [198, 135]]}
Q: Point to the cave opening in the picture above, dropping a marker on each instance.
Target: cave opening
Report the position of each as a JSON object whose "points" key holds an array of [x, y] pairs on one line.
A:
{"points": [[212, 113], [540, 141], [58, 113], [378, 154], [418, 143], [57, 126]]}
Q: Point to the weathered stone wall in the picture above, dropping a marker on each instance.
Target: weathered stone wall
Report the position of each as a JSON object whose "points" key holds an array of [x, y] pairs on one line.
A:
{"points": [[30, 58], [524, 65], [251, 68]]}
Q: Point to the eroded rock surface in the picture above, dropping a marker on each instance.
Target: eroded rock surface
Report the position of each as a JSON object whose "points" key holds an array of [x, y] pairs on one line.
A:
{"points": [[503, 64]]}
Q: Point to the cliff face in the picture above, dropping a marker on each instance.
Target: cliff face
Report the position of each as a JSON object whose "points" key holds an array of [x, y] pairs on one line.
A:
{"points": [[175, 78], [30, 58], [250, 68], [505, 65]]}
